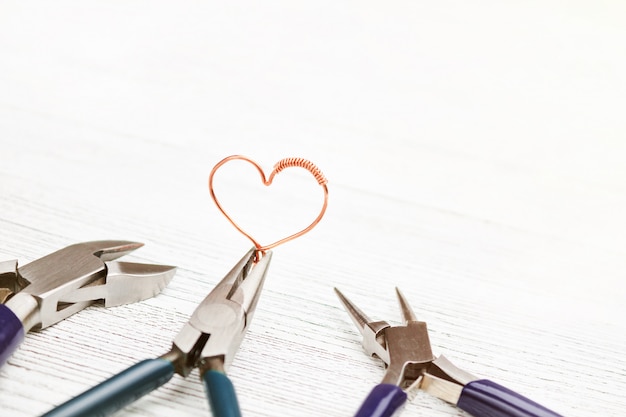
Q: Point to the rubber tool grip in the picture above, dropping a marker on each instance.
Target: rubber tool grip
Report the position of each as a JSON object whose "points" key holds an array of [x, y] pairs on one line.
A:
{"points": [[11, 333], [221, 394], [118, 391], [486, 398], [383, 401]]}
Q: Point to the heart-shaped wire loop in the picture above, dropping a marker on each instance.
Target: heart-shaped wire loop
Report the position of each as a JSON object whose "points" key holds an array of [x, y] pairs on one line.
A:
{"points": [[278, 167]]}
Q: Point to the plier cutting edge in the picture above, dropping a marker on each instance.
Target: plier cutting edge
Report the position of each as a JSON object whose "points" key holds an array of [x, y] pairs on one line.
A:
{"points": [[411, 365], [208, 341]]}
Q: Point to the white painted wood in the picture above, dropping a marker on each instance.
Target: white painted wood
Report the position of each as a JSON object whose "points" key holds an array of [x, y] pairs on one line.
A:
{"points": [[475, 153]]}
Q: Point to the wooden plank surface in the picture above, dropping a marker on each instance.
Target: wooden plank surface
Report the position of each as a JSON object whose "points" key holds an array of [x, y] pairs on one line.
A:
{"points": [[475, 153]]}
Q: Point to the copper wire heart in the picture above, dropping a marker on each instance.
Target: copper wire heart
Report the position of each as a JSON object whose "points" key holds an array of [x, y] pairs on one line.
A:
{"points": [[280, 165]]}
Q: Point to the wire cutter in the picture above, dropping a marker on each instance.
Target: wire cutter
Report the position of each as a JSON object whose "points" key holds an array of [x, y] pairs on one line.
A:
{"points": [[62, 283], [411, 365], [208, 341]]}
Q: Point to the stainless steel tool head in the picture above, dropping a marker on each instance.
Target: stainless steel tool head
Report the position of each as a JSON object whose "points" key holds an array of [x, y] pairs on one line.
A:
{"points": [[75, 265], [57, 285], [405, 349], [219, 323]]}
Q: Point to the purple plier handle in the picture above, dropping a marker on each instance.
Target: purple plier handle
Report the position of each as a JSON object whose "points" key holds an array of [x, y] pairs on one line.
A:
{"points": [[483, 398], [11, 333], [382, 401]]}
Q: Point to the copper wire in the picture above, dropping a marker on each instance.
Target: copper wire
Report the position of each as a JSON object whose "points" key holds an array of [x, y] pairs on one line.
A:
{"points": [[299, 162], [278, 167]]}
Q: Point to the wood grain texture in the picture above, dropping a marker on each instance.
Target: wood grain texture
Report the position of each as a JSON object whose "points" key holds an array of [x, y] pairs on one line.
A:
{"points": [[475, 156]]}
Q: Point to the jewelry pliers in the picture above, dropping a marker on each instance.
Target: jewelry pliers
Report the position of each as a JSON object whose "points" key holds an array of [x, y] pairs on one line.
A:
{"points": [[208, 341], [411, 365], [52, 288]]}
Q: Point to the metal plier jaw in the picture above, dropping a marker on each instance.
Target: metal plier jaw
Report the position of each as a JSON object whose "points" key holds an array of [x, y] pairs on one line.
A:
{"points": [[405, 350], [58, 285], [213, 334], [62, 283]]}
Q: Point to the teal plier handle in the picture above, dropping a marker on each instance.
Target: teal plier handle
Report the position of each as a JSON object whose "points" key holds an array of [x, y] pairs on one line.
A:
{"points": [[221, 394], [118, 391], [124, 388]]}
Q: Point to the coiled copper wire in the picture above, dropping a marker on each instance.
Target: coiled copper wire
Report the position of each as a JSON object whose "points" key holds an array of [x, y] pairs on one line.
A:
{"points": [[298, 162], [278, 167]]}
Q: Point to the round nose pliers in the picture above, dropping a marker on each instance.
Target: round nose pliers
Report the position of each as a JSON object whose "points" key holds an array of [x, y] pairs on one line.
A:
{"points": [[410, 365]]}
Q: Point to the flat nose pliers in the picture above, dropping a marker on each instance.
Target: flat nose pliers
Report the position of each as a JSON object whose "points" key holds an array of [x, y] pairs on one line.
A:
{"points": [[52, 288], [410, 365], [208, 341]]}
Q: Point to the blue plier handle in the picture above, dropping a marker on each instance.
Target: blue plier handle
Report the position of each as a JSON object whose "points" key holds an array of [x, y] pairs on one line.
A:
{"points": [[410, 365], [208, 341]]}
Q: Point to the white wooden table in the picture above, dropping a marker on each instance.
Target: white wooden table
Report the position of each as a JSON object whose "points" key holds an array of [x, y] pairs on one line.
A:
{"points": [[476, 158]]}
